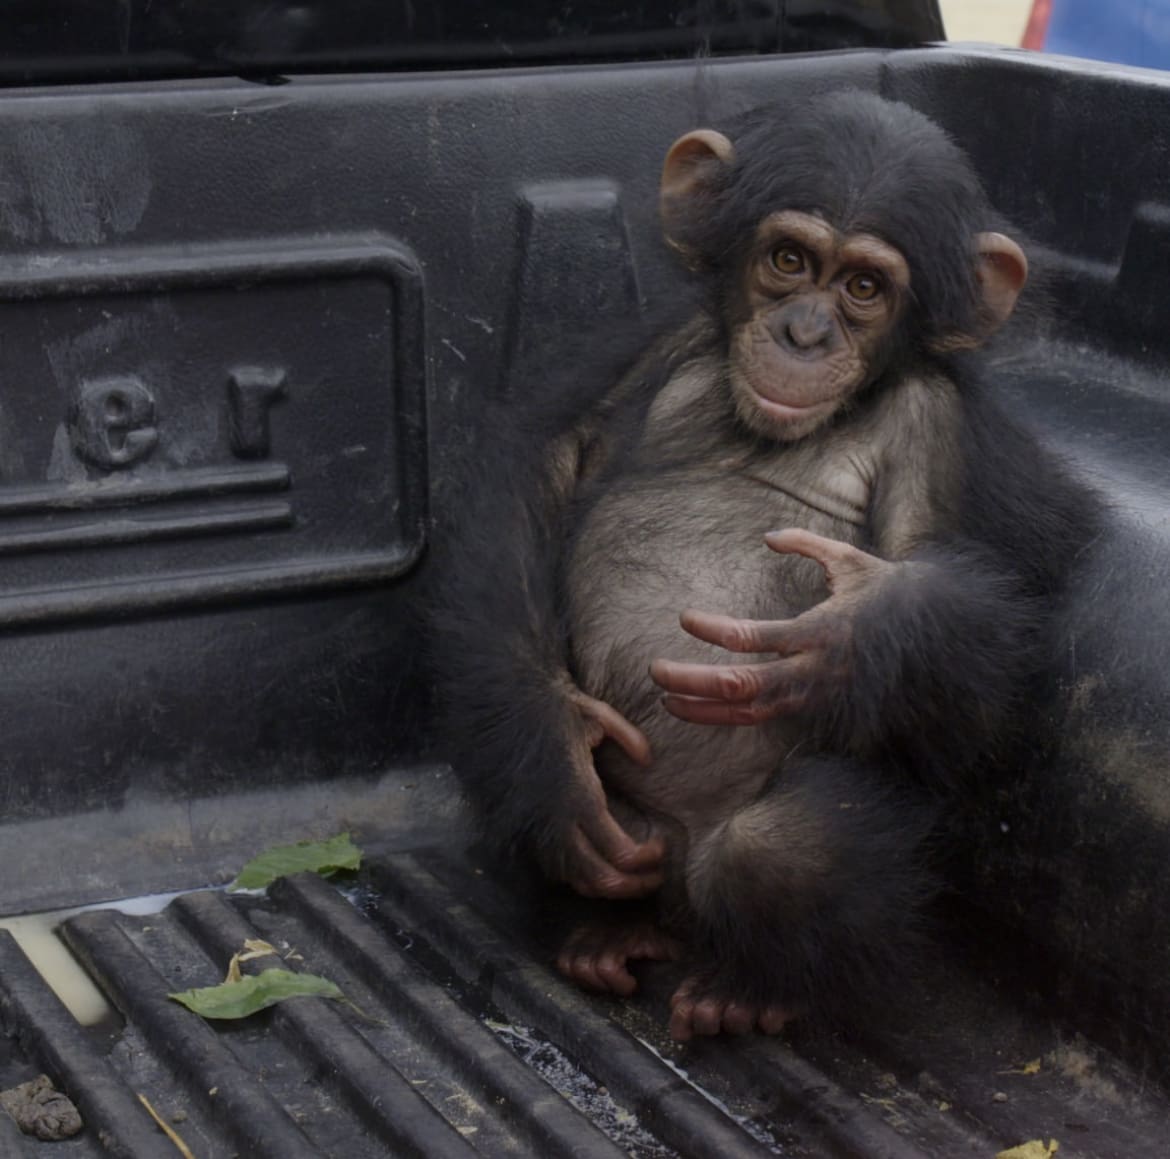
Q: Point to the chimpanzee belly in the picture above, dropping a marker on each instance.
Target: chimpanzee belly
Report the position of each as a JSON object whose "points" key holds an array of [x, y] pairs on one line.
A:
{"points": [[651, 547]]}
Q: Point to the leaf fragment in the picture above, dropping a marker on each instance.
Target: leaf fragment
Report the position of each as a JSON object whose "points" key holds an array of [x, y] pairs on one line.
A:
{"points": [[254, 992], [253, 948], [1033, 1149], [325, 857], [1028, 1069], [166, 1128]]}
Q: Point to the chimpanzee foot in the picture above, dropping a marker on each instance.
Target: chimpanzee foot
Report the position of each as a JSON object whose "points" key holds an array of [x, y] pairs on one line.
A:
{"points": [[697, 1007], [597, 956]]}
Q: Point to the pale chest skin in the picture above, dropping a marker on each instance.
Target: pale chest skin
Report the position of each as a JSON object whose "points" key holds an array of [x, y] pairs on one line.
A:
{"points": [[683, 526]]}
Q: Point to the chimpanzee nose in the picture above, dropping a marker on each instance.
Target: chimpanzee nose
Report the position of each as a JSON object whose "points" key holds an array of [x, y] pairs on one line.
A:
{"points": [[807, 329]]}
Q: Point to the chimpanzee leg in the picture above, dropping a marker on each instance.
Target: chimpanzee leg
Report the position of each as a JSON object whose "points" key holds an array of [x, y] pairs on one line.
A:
{"points": [[805, 901]]}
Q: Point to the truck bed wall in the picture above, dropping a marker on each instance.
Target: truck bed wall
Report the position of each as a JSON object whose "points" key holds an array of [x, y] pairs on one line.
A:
{"points": [[251, 335]]}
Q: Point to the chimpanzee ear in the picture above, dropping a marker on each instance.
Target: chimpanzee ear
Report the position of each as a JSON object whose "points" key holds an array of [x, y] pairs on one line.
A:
{"points": [[1001, 269], [690, 166]]}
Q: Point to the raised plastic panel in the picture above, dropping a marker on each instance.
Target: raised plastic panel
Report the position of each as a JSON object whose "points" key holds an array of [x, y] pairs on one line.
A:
{"points": [[573, 262], [197, 424]]}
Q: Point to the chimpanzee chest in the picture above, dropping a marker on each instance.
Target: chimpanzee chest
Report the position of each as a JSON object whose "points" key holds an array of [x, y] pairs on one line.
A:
{"points": [[693, 537]]}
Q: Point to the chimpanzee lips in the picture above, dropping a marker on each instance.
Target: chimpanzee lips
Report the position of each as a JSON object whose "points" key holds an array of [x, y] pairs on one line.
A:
{"points": [[786, 408], [783, 410]]}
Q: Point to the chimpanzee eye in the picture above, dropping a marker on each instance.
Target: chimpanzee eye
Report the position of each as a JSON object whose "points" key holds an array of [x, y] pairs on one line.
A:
{"points": [[787, 260], [863, 287]]}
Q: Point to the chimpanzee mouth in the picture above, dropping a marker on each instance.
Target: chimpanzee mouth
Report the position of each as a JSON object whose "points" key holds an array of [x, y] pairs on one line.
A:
{"points": [[784, 409], [765, 398], [787, 411]]}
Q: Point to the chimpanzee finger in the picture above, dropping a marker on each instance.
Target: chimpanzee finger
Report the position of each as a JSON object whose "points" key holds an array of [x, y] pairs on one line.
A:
{"points": [[682, 1010], [613, 974], [571, 960], [696, 710], [837, 558], [738, 682], [732, 682], [603, 972], [631, 738], [617, 847], [740, 635], [693, 1012], [680, 1022], [610, 863], [773, 1019], [581, 969], [707, 1016], [591, 875], [610, 723], [738, 1018]]}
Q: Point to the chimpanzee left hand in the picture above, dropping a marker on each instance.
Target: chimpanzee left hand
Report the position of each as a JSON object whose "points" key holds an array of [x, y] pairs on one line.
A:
{"points": [[814, 648]]}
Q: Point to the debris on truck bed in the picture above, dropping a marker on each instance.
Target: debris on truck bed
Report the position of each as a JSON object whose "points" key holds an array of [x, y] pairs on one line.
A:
{"points": [[462, 1040]]}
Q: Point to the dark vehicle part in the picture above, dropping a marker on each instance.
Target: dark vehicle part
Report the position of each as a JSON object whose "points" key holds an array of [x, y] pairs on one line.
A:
{"points": [[222, 310], [59, 41]]}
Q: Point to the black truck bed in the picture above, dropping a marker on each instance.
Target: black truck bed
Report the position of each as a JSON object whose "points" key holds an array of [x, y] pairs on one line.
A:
{"points": [[461, 1040], [308, 298]]}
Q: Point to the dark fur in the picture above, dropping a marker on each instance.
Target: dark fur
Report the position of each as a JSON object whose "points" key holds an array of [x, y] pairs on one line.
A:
{"points": [[945, 675], [943, 665]]}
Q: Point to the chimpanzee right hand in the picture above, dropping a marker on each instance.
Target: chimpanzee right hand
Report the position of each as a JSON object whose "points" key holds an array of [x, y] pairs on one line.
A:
{"points": [[598, 858]]}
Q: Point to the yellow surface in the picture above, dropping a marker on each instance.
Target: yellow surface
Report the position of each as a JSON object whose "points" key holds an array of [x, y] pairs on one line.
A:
{"points": [[991, 21], [1035, 1149], [36, 936]]}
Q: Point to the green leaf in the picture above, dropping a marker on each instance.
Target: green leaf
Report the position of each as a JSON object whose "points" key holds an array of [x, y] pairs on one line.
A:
{"points": [[255, 992], [318, 856]]}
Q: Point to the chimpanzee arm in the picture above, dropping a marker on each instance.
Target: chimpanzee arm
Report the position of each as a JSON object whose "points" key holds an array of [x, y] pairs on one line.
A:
{"points": [[928, 640], [947, 648], [519, 732]]}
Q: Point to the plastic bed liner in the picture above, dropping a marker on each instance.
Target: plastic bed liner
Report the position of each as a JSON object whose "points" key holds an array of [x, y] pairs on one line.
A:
{"points": [[251, 336], [457, 1039]]}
